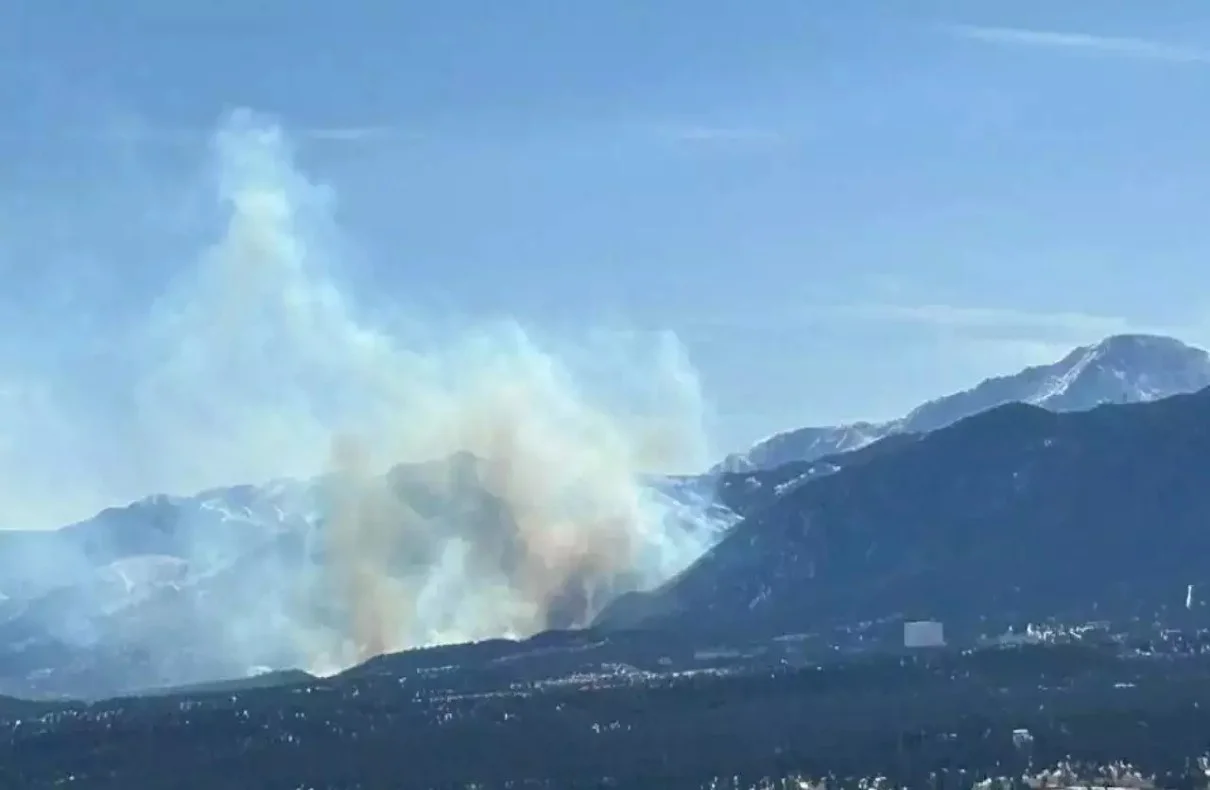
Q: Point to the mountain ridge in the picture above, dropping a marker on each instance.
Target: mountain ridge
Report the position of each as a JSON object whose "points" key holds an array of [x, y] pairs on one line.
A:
{"points": [[1123, 368], [171, 591], [1017, 512]]}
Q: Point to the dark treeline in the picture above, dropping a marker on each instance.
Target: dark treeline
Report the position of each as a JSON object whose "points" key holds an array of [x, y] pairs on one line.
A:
{"points": [[937, 722]]}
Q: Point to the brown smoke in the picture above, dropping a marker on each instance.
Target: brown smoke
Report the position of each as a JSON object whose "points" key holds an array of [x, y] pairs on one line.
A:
{"points": [[563, 538], [362, 525]]}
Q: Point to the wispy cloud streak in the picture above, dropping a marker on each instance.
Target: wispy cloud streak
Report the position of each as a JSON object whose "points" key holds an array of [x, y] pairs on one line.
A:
{"points": [[1143, 49], [331, 134], [712, 135], [988, 318], [128, 133], [1005, 321], [717, 134]]}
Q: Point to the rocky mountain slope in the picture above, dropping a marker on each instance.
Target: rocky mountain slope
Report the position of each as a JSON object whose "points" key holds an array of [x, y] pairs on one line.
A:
{"points": [[1015, 513], [183, 590], [1119, 369]]}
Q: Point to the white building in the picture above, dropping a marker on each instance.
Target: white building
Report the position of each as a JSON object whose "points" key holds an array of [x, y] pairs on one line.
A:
{"points": [[923, 633]]}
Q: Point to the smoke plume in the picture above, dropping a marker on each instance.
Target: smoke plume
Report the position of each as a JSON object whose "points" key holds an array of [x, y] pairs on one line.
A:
{"points": [[473, 482]]}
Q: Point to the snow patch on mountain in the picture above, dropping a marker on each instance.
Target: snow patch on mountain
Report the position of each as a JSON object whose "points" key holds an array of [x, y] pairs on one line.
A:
{"points": [[133, 579]]}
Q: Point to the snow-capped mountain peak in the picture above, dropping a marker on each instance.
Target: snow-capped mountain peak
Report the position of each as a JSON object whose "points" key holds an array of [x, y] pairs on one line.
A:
{"points": [[1127, 368], [1124, 369]]}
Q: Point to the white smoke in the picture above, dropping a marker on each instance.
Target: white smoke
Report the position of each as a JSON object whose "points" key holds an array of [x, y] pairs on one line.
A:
{"points": [[255, 365]]}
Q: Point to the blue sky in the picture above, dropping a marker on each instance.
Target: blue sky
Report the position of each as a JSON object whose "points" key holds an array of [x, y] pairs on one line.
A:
{"points": [[841, 209]]}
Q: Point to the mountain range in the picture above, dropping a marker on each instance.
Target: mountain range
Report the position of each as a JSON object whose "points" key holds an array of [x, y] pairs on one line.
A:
{"points": [[1061, 489], [1120, 369], [172, 591]]}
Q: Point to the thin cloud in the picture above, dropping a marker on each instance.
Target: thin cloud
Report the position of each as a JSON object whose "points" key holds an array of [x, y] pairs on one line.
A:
{"points": [[353, 134], [973, 321], [990, 318], [1143, 49], [136, 133], [997, 356], [990, 341], [719, 135], [328, 134], [712, 134]]}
